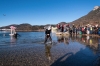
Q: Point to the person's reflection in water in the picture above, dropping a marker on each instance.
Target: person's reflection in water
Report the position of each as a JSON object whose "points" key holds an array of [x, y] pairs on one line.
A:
{"points": [[60, 39], [47, 50], [97, 60], [88, 37], [66, 40], [13, 40]]}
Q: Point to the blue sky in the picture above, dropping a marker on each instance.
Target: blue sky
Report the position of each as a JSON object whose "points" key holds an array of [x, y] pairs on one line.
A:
{"points": [[41, 12]]}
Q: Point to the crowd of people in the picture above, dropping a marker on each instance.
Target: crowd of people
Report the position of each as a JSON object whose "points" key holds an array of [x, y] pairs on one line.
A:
{"points": [[72, 29], [88, 29]]}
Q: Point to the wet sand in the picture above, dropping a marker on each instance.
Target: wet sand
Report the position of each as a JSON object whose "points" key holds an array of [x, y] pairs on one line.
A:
{"points": [[72, 54]]}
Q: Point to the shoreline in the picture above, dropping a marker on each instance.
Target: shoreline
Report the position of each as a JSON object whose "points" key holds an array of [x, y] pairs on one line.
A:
{"points": [[41, 30], [65, 34], [27, 30]]}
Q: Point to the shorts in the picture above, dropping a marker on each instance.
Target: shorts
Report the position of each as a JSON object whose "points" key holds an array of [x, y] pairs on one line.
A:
{"points": [[48, 35]]}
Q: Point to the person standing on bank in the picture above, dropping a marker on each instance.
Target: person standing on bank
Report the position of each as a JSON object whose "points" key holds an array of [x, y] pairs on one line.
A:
{"points": [[47, 34]]}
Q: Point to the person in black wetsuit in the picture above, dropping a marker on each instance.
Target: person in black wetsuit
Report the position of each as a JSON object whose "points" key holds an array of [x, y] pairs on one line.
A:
{"points": [[16, 35], [47, 34]]}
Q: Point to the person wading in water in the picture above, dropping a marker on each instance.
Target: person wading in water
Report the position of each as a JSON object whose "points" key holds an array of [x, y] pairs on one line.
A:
{"points": [[47, 34], [15, 35]]}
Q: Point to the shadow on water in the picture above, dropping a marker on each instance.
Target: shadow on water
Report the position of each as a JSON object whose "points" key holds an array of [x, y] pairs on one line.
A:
{"points": [[60, 62], [90, 56], [78, 59]]}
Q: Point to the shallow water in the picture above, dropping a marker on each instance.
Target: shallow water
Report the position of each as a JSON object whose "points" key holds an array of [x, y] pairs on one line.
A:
{"points": [[29, 50], [25, 38]]}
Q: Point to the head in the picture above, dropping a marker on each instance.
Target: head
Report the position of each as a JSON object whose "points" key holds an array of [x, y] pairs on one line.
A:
{"points": [[49, 28]]}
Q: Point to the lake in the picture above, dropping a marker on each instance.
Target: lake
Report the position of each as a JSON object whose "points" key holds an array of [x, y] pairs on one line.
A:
{"points": [[29, 50]]}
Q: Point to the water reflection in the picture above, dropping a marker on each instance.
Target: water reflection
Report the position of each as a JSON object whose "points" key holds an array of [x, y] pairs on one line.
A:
{"points": [[78, 59], [62, 39], [13, 40], [47, 50], [88, 41]]}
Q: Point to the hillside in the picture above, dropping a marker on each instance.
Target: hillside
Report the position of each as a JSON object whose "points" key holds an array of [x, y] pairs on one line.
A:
{"points": [[93, 17], [26, 27]]}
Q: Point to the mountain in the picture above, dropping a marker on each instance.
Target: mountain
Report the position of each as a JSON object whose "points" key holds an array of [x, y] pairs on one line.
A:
{"points": [[93, 17], [26, 27], [62, 23]]}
